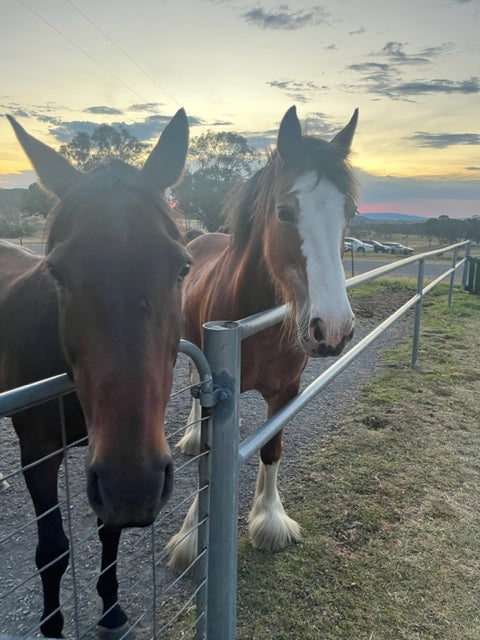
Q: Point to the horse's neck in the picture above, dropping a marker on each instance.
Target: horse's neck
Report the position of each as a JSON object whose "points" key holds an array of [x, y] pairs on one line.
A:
{"points": [[253, 285]]}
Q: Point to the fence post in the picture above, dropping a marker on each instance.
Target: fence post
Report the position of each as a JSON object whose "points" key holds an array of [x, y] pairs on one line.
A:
{"points": [[418, 312], [452, 277], [466, 266], [222, 346]]}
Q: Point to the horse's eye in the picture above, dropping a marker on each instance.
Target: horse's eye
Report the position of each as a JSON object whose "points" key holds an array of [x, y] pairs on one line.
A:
{"points": [[56, 275], [286, 214], [184, 271]]}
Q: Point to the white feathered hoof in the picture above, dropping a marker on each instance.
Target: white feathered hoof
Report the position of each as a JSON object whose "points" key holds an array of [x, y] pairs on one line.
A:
{"points": [[182, 547], [189, 443], [270, 528]]}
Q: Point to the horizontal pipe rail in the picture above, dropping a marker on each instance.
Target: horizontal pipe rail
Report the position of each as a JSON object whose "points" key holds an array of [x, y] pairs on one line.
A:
{"points": [[270, 427], [35, 393]]}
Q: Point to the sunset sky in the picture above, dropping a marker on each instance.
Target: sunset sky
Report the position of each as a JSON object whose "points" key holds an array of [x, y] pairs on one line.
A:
{"points": [[412, 68]]}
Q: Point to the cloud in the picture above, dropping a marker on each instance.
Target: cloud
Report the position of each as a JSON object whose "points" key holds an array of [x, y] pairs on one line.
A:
{"points": [[444, 140], [152, 126], [376, 73], [438, 85], [299, 91], [102, 110], [385, 76], [395, 53], [66, 130], [284, 18], [151, 107], [386, 79], [38, 113], [220, 123], [16, 112], [144, 127], [320, 124]]}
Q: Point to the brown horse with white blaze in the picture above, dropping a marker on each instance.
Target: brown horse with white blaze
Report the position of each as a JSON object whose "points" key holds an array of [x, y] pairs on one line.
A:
{"points": [[104, 304], [287, 224]]}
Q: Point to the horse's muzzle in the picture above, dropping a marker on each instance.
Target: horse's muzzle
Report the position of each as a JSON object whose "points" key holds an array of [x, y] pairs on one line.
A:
{"points": [[130, 497], [318, 343]]}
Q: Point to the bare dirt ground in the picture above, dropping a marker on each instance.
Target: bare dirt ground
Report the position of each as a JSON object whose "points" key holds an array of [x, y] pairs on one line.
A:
{"points": [[20, 592]]}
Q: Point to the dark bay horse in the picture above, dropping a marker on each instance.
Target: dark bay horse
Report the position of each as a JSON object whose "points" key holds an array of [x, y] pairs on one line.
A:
{"points": [[286, 243], [104, 304]]}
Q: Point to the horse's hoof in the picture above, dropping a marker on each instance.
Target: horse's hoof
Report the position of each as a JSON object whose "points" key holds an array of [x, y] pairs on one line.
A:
{"points": [[122, 632]]}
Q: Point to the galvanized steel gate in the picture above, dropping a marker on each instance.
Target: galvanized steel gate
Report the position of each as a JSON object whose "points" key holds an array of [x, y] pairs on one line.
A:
{"points": [[154, 597]]}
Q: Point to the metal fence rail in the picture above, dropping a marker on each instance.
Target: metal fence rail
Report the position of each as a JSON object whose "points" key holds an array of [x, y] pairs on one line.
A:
{"points": [[154, 597]]}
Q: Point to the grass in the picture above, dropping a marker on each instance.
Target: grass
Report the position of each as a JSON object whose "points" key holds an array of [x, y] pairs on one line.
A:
{"points": [[389, 506]]}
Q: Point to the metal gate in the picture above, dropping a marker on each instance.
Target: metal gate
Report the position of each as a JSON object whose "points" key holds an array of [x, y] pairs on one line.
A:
{"points": [[156, 600]]}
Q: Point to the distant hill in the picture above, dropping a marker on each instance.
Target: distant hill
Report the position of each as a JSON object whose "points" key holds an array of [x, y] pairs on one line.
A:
{"points": [[388, 217]]}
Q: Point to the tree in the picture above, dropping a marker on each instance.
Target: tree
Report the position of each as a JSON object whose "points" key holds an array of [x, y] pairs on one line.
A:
{"points": [[473, 229], [216, 162], [106, 142], [35, 201], [14, 225]]}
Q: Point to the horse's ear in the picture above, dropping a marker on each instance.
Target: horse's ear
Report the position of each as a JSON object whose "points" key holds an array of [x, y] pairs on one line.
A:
{"points": [[56, 174], [165, 164], [344, 138], [289, 135]]}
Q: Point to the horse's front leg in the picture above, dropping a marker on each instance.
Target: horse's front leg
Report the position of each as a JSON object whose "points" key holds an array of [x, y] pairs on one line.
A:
{"points": [[52, 554], [114, 622], [270, 528]]}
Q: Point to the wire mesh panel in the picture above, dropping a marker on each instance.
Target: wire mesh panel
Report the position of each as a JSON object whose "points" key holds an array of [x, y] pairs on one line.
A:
{"points": [[159, 603]]}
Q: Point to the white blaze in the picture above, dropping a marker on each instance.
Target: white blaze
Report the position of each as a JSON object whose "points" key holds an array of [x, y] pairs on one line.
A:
{"points": [[321, 224]]}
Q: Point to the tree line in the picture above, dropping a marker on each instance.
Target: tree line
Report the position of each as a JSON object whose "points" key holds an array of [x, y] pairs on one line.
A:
{"points": [[444, 230], [216, 162]]}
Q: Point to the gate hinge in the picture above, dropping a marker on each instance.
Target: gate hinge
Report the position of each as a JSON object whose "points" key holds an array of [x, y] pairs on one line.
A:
{"points": [[210, 399]]}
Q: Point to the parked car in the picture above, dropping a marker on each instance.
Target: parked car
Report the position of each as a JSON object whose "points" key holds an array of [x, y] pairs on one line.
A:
{"points": [[378, 247], [396, 247], [356, 245]]}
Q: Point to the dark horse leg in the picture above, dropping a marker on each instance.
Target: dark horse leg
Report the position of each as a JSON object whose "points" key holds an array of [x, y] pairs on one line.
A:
{"points": [[113, 623], [52, 553], [270, 528]]}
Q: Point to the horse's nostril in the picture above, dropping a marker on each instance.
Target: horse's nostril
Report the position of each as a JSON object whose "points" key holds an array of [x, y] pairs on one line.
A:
{"points": [[168, 482], [93, 489], [316, 329]]}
